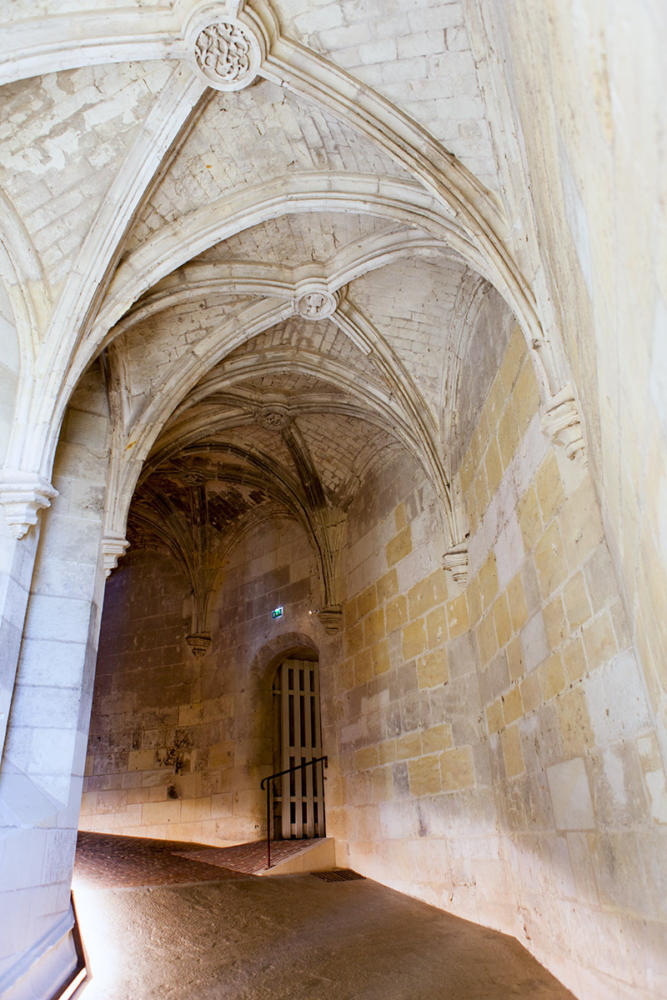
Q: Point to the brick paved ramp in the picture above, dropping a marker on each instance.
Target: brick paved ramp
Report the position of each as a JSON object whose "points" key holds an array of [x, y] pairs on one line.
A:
{"points": [[106, 860], [285, 938]]}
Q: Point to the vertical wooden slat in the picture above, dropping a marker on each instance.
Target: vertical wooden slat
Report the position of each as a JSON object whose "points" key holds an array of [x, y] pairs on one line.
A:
{"points": [[298, 751], [285, 729], [308, 741]]}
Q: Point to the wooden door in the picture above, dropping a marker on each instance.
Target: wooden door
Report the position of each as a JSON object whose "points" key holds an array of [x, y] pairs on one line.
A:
{"points": [[299, 806]]}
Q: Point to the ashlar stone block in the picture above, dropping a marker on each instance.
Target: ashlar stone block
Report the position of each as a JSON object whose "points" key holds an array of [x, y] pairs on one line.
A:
{"points": [[571, 795]]}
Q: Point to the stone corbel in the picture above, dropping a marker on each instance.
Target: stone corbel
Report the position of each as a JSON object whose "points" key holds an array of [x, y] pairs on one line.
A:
{"points": [[199, 643], [23, 495], [455, 561], [331, 618], [562, 422], [113, 547]]}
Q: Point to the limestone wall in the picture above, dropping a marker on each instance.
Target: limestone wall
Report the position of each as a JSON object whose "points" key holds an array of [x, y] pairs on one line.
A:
{"points": [[178, 745], [497, 754], [593, 170]]}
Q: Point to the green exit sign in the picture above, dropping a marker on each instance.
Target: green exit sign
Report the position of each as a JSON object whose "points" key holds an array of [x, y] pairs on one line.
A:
{"points": [[277, 613]]}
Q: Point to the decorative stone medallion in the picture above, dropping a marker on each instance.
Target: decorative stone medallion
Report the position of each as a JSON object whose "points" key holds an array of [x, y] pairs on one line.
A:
{"points": [[316, 305], [274, 417], [227, 54]]}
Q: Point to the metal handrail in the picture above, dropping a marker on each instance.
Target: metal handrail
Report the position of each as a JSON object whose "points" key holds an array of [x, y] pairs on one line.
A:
{"points": [[266, 783]]}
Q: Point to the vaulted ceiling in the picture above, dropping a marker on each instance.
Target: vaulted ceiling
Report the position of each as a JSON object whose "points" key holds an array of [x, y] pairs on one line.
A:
{"points": [[281, 273]]}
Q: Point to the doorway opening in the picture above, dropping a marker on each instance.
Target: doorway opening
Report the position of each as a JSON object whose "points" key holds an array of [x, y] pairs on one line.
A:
{"points": [[298, 802]]}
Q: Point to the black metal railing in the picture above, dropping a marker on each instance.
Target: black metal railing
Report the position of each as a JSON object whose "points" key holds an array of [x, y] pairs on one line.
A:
{"points": [[268, 784]]}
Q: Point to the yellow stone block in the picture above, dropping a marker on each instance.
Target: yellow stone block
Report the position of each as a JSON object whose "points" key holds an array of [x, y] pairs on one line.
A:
{"points": [[354, 639], [493, 466], [530, 518], [577, 604], [427, 593], [414, 639], [363, 666], [381, 657], [345, 675], [190, 715], [141, 760], [514, 358], [366, 601], [515, 659], [486, 640], [387, 751], [221, 755], [457, 769], [551, 676], [526, 396], [374, 627], [512, 705], [350, 615], [550, 560], [399, 546], [397, 613], [153, 813], [436, 626], [387, 586], [574, 720], [508, 435], [365, 758], [574, 659], [530, 693], [424, 775], [555, 624], [408, 745], [549, 487], [437, 738], [511, 741], [517, 602], [581, 524], [457, 616], [599, 641], [474, 595], [400, 517], [494, 717], [382, 784], [501, 618], [432, 669], [488, 581]]}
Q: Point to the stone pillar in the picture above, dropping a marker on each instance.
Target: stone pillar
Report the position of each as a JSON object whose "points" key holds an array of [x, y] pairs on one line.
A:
{"points": [[17, 559], [42, 768]]}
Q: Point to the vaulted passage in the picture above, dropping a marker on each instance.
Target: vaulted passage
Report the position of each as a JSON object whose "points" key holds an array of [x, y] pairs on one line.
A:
{"points": [[333, 428]]}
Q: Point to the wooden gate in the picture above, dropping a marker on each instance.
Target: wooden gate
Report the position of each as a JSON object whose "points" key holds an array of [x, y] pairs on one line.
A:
{"points": [[299, 802]]}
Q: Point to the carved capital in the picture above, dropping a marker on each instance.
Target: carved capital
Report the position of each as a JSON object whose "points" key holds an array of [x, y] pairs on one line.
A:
{"points": [[331, 618], [562, 422], [23, 495], [455, 561], [199, 642], [113, 547]]}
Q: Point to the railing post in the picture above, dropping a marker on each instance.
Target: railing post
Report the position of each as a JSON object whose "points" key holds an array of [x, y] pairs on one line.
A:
{"points": [[268, 782], [268, 823]]}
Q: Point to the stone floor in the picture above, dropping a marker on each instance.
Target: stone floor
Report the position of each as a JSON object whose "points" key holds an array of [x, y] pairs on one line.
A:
{"points": [[158, 925]]}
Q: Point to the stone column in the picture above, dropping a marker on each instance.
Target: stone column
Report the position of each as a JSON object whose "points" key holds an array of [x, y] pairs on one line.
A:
{"points": [[41, 774]]}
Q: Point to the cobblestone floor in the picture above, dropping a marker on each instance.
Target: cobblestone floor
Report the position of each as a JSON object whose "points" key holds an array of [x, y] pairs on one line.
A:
{"points": [[159, 926]]}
